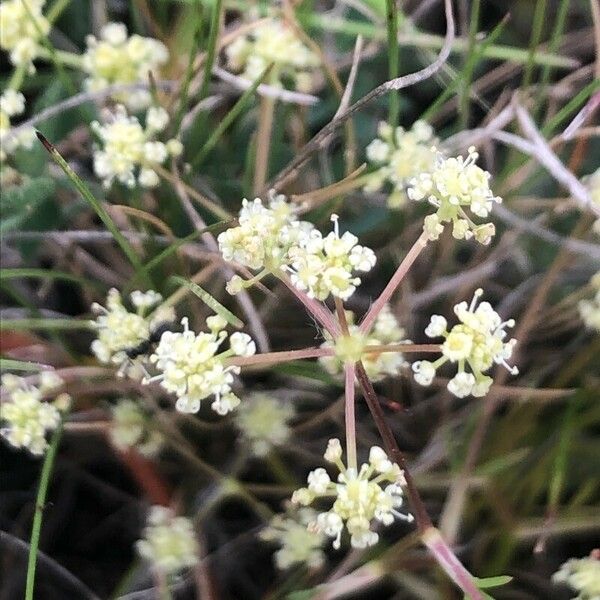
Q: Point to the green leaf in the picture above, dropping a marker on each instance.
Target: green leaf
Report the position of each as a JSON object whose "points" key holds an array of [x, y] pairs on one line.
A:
{"points": [[210, 302], [483, 583]]}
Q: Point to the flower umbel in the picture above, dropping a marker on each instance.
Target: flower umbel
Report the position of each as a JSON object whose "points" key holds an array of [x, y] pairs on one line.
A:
{"points": [[361, 499], [27, 416], [400, 155], [582, 575], [453, 185], [169, 542], [116, 58], [131, 427], [589, 310], [128, 151], [354, 347], [299, 543], [12, 103], [478, 342], [120, 330], [192, 368], [273, 41], [22, 26], [263, 420]]}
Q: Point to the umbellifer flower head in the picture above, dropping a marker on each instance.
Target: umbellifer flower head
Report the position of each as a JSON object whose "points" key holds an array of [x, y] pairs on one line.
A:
{"points": [[589, 310], [400, 155], [263, 420], [321, 266], [131, 427], [273, 41], [478, 342], [22, 26], [192, 368], [582, 575], [116, 58], [454, 185], [26, 415], [169, 542], [12, 103], [128, 151], [360, 499], [354, 347], [299, 543], [120, 330]]}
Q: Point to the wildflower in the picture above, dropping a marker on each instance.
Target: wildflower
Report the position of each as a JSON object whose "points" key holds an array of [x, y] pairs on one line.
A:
{"points": [[191, 367], [325, 265], [120, 330], [400, 155], [169, 542], [273, 42], [299, 543], [478, 341], [360, 500], [263, 420], [131, 428], [118, 59], [354, 347], [582, 575], [589, 310], [22, 26], [128, 151], [27, 416], [12, 103], [453, 185]]}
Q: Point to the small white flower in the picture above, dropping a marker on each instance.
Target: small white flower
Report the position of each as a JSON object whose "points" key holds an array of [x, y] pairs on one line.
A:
{"points": [[263, 420], [12, 103], [169, 542], [273, 41], [360, 500], [26, 417], [299, 543], [477, 342], [118, 59], [157, 118], [131, 428], [191, 366], [400, 155], [334, 451], [582, 575]]}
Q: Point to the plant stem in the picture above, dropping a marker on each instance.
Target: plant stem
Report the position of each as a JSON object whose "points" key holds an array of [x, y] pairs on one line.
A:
{"points": [[271, 358], [40, 502], [394, 282], [263, 141], [349, 415], [393, 58], [430, 536]]}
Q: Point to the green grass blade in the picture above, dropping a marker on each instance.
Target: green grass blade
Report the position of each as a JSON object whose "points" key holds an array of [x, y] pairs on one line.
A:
{"points": [[391, 10], [215, 23], [44, 324], [211, 302], [31, 273], [9, 364]]}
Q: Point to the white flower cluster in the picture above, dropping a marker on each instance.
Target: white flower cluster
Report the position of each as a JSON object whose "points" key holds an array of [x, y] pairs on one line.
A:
{"points": [[273, 42], [263, 237], [582, 575], [21, 27], [478, 341], [129, 151], [263, 419], [453, 185], [360, 500], [190, 366], [589, 310], [118, 59], [169, 542], [299, 543], [26, 415], [12, 103], [131, 427], [321, 266], [399, 156], [272, 239], [120, 330], [386, 330]]}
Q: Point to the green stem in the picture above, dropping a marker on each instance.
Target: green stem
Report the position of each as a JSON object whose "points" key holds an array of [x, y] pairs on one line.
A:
{"points": [[215, 22], [393, 58], [469, 64], [39, 510], [536, 33]]}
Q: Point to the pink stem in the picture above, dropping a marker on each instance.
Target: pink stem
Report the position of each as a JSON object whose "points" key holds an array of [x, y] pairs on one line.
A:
{"points": [[350, 419], [394, 282], [450, 563], [269, 358]]}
